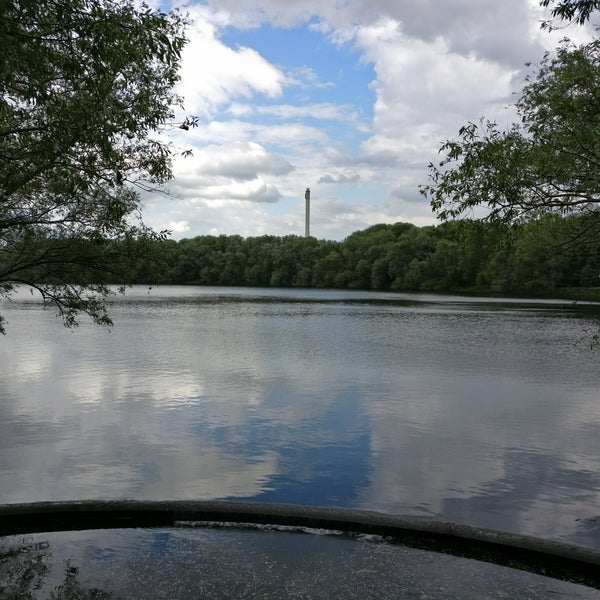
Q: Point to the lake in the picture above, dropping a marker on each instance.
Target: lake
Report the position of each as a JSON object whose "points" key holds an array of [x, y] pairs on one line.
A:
{"points": [[480, 411]]}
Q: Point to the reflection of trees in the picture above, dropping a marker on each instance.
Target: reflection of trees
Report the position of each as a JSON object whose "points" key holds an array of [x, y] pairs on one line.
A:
{"points": [[25, 568]]}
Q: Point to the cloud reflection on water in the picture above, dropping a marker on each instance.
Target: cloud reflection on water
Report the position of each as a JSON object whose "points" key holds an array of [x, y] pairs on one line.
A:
{"points": [[480, 414]]}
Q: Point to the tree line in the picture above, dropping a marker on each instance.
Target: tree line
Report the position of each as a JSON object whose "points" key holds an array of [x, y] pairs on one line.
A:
{"points": [[465, 255]]}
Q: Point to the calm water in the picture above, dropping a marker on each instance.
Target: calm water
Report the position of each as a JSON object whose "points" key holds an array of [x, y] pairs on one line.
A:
{"points": [[485, 412]]}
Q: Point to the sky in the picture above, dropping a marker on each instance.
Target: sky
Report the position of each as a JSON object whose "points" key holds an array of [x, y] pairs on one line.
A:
{"points": [[350, 98]]}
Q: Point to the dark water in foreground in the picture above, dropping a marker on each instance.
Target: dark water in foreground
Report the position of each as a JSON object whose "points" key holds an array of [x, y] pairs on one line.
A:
{"points": [[184, 563], [485, 412]]}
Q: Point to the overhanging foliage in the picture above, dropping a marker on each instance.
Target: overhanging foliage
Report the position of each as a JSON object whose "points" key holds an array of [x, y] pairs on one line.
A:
{"points": [[548, 163], [84, 85]]}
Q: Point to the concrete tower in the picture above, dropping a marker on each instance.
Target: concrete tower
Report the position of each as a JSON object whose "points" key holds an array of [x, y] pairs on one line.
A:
{"points": [[307, 213]]}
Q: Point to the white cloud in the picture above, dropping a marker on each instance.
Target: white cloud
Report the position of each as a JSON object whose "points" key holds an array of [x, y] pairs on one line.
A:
{"points": [[213, 74], [306, 77], [322, 110], [271, 128], [422, 87], [178, 226]]}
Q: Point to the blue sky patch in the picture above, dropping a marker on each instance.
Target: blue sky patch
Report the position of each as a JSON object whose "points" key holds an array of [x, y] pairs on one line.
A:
{"points": [[340, 77]]}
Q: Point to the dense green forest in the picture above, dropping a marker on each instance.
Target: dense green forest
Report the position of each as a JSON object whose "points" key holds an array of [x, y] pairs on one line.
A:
{"points": [[540, 257]]}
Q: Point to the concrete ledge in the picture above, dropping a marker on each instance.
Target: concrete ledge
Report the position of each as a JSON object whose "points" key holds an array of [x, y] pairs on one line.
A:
{"points": [[550, 558]]}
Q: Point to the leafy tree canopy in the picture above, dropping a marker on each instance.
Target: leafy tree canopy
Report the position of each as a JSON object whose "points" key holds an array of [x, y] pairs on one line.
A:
{"points": [[577, 11], [547, 163], [84, 86]]}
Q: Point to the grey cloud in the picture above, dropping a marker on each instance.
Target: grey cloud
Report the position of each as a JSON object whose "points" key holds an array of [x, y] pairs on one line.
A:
{"points": [[379, 159], [246, 166], [254, 191], [345, 177], [487, 29], [408, 194], [267, 193], [496, 31], [346, 162]]}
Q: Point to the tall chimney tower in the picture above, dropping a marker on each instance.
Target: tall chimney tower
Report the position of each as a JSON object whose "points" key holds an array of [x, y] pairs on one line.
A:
{"points": [[307, 213]]}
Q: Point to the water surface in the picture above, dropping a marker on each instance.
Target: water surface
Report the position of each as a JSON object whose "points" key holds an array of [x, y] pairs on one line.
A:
{"points": [[482, 411]]}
